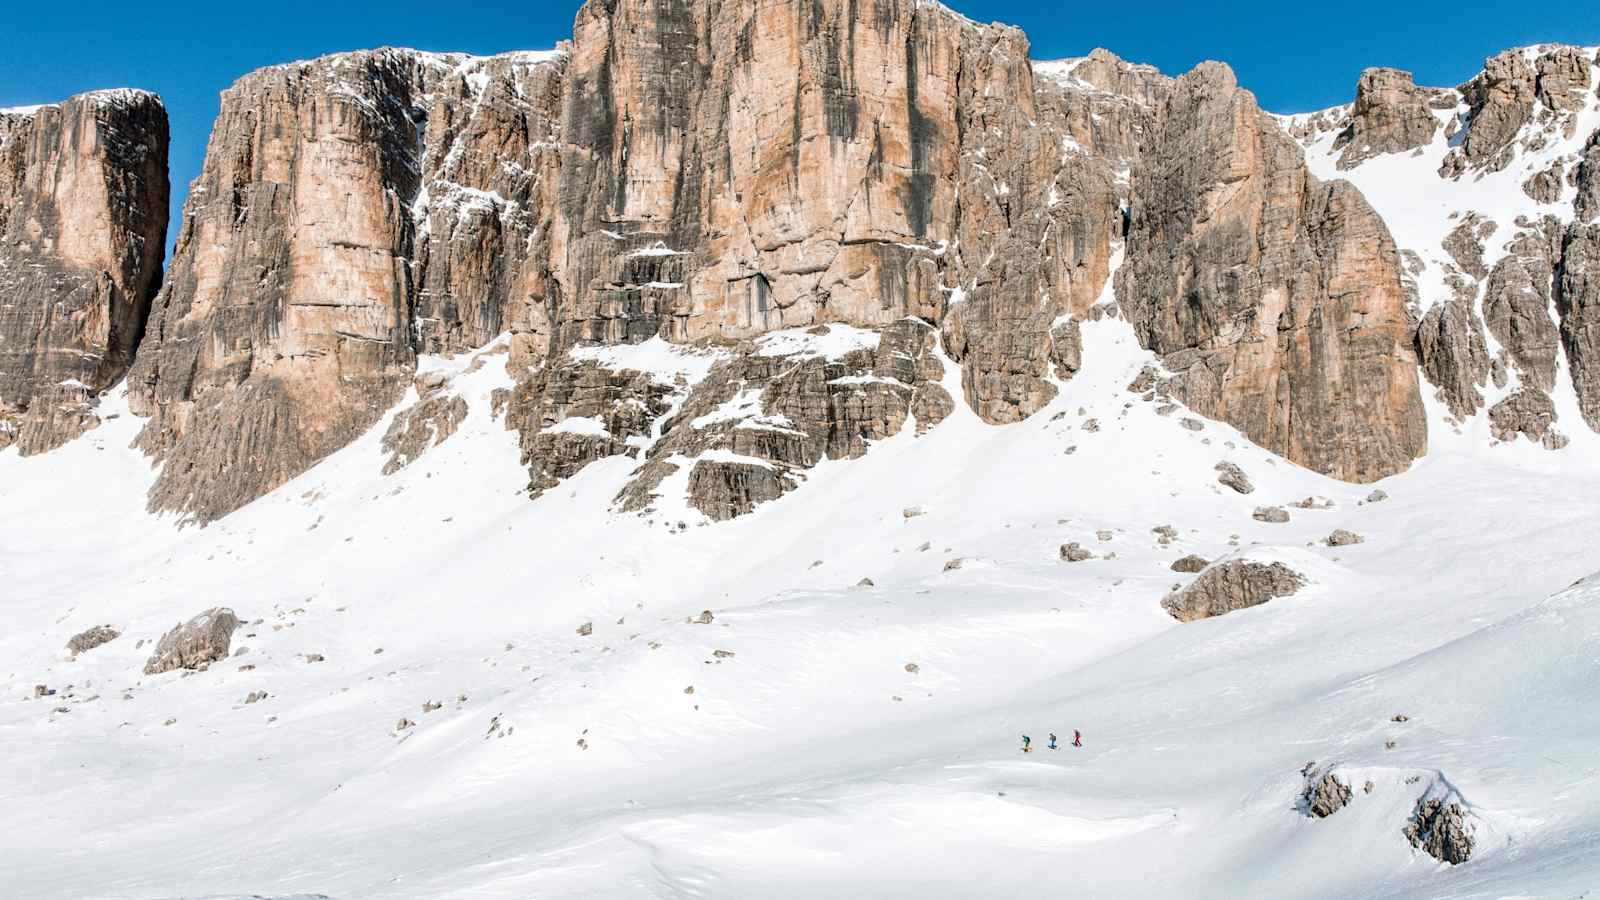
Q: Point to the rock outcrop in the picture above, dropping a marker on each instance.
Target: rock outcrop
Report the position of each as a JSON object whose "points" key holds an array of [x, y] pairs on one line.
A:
{"points": [[1391, 115], [1587, 203], [1517, 302], [1231, 476], [83, 223], [1578, 301], [1440, 826], [1522, 98], [1530, 412], [1232, 585], [1454, 357], [91, 638], [781, 405], [1275, 299], [195, 644], [1325, 794]]}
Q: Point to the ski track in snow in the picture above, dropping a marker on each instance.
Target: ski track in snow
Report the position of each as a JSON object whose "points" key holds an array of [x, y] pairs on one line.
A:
{"points": [[810, 763]]}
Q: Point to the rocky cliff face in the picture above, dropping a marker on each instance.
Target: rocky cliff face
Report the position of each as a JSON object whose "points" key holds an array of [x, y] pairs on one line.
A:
{"points": [[1274, 299], [351, 211], [1391, 115], [83, 218], [708, 174]]}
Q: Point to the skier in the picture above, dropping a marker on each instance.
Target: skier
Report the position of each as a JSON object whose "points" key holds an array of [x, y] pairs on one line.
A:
{"points": [[1026, 742], [1053, 741], [1077, 738]]}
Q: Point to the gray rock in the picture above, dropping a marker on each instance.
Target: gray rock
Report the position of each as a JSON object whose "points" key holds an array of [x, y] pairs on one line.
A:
{"points": [[1231, 476], [1377, 496], [1232, 585], [1451, 348], [913, 668], [586, 629], [1517, 300], [1325, 794], [1275, 515], [1530, 412], [912, 512], [199, 642], [1391, 115], [1439, 827], [1578, 300], [92, 638], [1343, 538], [1191, 564], [705, 618], [1074, 553]]}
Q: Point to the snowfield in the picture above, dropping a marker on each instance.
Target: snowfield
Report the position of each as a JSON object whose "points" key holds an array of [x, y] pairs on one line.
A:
{"points": [[807, 761]]}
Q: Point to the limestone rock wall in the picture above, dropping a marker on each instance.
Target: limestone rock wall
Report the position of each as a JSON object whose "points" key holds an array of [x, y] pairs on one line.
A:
{"points": [[1274, 299], [83, 218]]}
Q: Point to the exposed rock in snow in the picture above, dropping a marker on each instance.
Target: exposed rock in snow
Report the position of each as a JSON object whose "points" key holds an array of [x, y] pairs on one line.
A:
{"points": [[1074, 553], [1391, 115], [1451, 347], [1325, 794], [1342, 538], [1230, 475], [1440, 826], [428, 423], [202, 640], [92, 638], [1274, 515], [1232, 585], [1191, 564], [1527, 412]]}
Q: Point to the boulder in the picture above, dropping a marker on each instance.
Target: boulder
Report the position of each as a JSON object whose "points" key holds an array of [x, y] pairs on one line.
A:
{"points": [[1440, 828], [92, 638], [195, 644], [1231, 476], [1325, 794], [1275, 515], [1191, 564], [1074, 553], [1529, 412], [1343, 538], [1232, 585]]}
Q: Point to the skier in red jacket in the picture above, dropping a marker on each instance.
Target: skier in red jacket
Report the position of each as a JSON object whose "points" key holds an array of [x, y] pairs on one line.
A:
{"points": [[1077, 738]]}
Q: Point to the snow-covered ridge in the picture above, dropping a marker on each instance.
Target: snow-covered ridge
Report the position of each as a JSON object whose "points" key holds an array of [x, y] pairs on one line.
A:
{"points": [[101, 97]]}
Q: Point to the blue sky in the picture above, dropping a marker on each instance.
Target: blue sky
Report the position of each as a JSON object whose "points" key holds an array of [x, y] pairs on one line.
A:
{"points": [[1295, 56]]}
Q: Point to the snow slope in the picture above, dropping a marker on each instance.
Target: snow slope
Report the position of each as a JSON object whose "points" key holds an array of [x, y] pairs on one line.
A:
{"points": [[810, 762]]}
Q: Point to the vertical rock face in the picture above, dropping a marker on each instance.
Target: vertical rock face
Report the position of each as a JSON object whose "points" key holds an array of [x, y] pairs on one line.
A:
{"points": [[1454, 358], [1516, 302], [1578, 300], [1391, 115], [1275, 298], [83, 219], [1587, 204], [294, 305]]}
